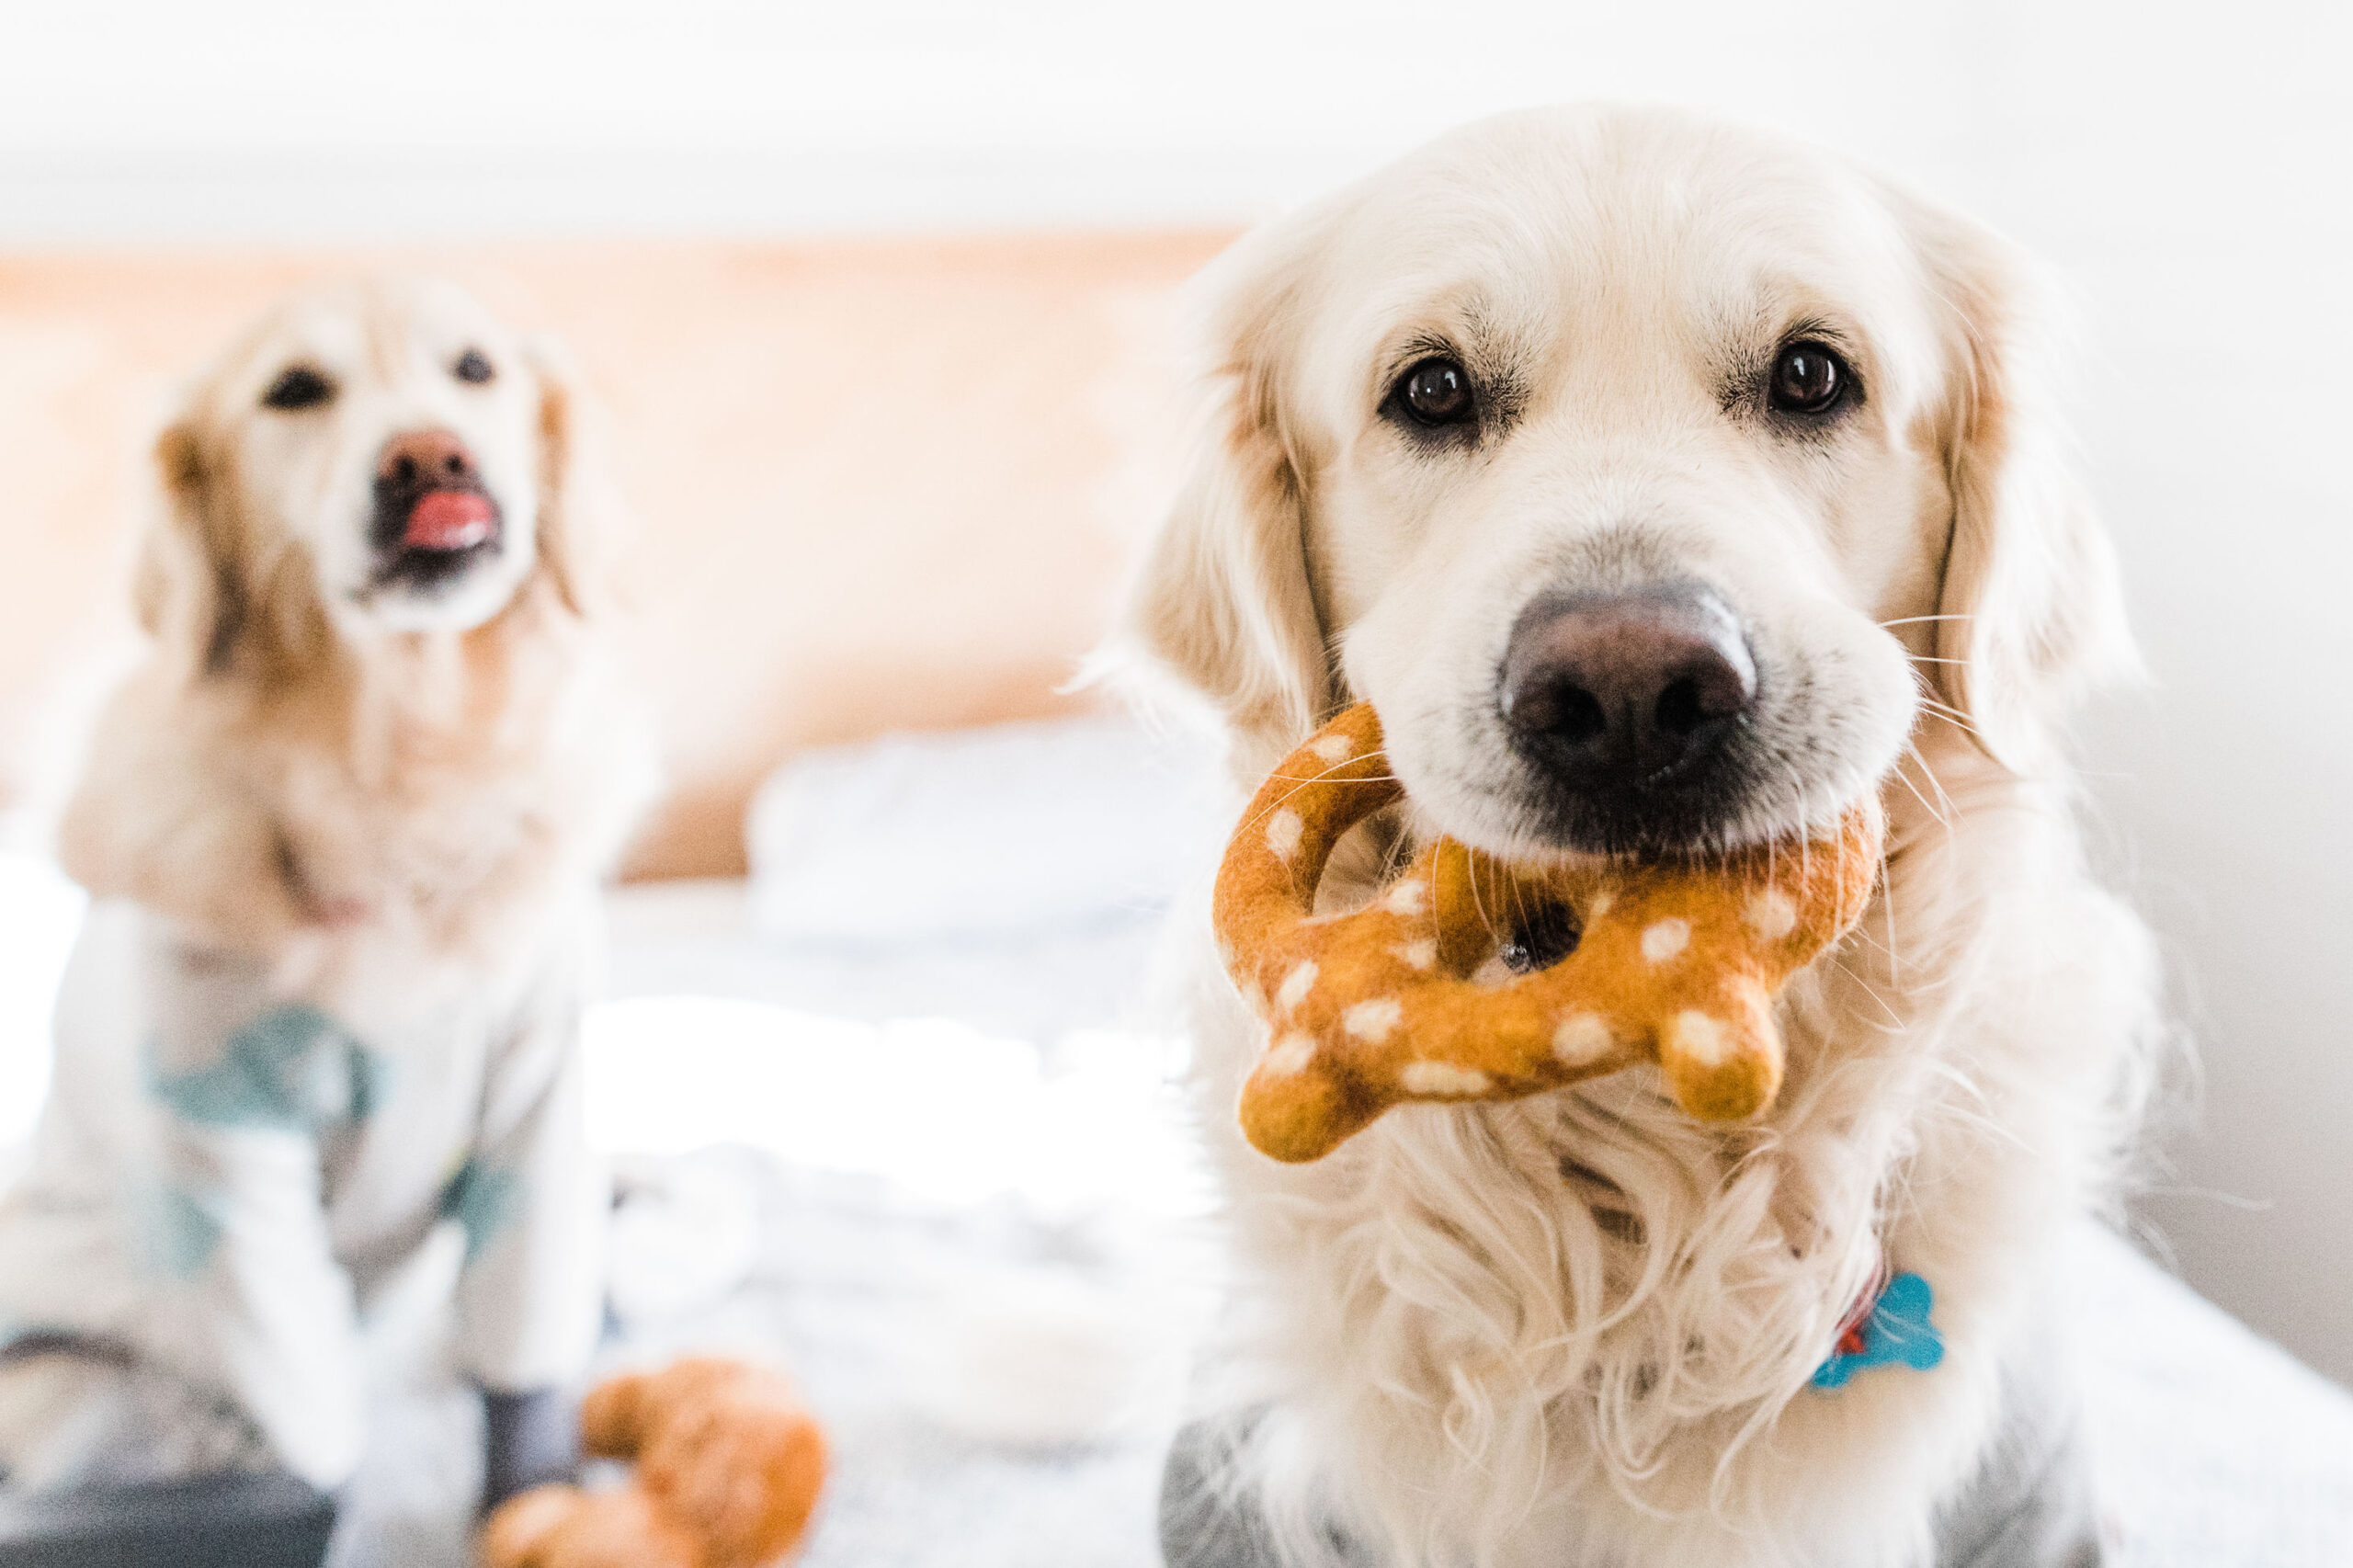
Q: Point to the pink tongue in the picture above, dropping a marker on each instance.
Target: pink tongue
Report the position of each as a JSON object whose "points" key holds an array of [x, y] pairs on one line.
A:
{"points": [[448, 519]]}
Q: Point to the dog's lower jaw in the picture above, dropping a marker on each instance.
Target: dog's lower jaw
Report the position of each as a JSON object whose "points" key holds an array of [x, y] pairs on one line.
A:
{"points": [[1477, 1369]]}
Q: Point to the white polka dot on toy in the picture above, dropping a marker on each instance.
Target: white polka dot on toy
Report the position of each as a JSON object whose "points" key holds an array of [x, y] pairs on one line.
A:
{"points": [[1409, 897], [1581, 1038], [1665, 939], [1290, 1055], [1333, 748], [1296, 985], [1421, 955], [1442, 1078], [1702, 1039], [1372, 1021], [1283, 831], [1771, 914]]}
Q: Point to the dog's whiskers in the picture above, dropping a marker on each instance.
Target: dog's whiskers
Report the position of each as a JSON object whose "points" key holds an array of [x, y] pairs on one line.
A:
{"points": [[1322, 778]]}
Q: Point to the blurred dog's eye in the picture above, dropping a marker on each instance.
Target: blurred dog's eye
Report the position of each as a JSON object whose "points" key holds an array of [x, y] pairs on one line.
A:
{"points": [[473, 366], [297, 387], [1436, 391], [1807, 378]]}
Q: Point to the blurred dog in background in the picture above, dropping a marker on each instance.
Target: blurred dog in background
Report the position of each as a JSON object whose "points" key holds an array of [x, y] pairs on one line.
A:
{"points": [[1667, 487], [343, 832]]}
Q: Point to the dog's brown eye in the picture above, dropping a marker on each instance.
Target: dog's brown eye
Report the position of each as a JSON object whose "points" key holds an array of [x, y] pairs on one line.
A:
{"points": [[1436, 391], [1807, 378], [473, 366], [297, 387]]}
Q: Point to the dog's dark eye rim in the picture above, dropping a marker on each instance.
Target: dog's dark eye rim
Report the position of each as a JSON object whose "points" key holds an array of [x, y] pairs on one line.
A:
{"points": [[298, 386], [475, 366], [1434, 391], [1834, 383]]}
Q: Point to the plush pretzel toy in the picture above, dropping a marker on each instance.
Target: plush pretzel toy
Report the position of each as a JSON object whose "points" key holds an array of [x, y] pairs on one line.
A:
{"points": [[1673, 962], [728, 1464]]}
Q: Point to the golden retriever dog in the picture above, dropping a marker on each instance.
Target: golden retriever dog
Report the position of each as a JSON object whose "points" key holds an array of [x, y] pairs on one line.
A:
{"points": [[1667, 487], [343, 832]]}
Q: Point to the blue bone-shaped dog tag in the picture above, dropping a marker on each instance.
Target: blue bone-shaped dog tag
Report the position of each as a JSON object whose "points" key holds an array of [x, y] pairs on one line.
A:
{"points": [[1896, 1333]]}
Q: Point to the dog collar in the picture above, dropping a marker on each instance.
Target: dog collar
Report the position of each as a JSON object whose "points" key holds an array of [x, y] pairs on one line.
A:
{"points": [[1888, 1326]]}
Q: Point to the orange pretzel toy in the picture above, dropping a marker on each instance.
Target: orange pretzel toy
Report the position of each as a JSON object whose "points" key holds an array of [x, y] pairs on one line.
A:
{"points": [[728, 1467], [1675, 962]]}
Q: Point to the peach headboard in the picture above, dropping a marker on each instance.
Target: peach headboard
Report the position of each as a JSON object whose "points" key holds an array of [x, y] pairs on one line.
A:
{"points": [[878, 484]]}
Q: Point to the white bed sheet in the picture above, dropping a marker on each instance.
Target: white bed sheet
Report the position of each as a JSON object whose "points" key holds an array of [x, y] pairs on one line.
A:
{"points": [[952, 1186], [2216, 1448], [979, 1240]]}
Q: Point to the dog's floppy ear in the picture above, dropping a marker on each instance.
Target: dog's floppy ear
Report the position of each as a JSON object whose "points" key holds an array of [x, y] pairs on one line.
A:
{"points": [[205, 585], [2033, 615], [1224, 598], [579, 521], [187, 587]]}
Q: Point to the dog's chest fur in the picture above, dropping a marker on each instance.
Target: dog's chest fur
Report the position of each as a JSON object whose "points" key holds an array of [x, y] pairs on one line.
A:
{"points": [[430, 811]]}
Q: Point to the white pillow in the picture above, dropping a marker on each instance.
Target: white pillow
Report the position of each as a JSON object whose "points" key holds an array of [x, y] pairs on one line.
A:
{"points": [[1005, 831]]}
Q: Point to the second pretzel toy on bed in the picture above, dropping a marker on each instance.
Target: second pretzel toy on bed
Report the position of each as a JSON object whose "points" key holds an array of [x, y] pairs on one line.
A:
{"points": [[1675, 961]]}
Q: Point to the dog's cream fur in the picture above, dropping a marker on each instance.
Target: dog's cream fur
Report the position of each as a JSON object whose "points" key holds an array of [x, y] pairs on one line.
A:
{"points": [[370, 785], [1579, 1328]]}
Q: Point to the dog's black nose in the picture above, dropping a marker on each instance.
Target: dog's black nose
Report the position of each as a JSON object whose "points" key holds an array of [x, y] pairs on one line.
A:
{"points": [[1608, 691]]}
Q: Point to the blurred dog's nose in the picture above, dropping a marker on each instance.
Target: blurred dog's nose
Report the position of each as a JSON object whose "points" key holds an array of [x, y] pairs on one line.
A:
{"points": [[427, 459], [1615, 689], [429, 495]]}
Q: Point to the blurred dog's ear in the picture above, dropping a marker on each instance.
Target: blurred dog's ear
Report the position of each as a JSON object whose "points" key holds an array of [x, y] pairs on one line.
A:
{"points": [[580, 511], [1225, 599], [172, 581], [2033, 613], [206, 586], [190, 589]]}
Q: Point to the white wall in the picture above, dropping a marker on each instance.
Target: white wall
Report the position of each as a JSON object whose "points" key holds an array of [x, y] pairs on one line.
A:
{"points": [[243, 119], [2190, 173], [2201, 196]]}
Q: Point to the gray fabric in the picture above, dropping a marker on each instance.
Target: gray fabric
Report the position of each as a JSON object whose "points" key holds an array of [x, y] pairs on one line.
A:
{"points": [[220, 1521], [529, 1438], [1204, 1526], [2032, 1503], [2040, 1512], [1199, 1528]]}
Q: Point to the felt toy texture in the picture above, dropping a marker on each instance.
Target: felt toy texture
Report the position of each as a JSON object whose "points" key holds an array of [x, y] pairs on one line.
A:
{"points": [[1674, 962], [727, 1466]]}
